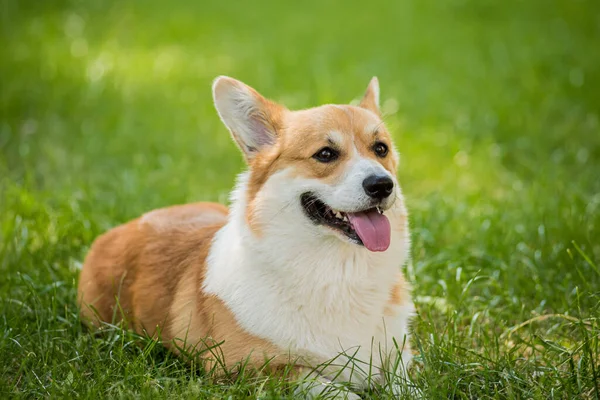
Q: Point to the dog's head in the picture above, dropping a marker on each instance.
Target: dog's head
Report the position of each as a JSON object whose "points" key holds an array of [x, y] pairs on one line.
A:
{"points": [[326, 172]]}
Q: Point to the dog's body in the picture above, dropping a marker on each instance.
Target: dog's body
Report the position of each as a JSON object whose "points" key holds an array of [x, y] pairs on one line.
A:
{"points": [[305, 268]]}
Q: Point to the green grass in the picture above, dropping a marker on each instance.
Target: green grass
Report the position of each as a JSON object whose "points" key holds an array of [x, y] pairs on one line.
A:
{"points": [[106, 113]]}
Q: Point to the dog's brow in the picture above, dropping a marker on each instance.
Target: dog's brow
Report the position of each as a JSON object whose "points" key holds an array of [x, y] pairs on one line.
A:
{"points": [[334, 138], [375, 129]]}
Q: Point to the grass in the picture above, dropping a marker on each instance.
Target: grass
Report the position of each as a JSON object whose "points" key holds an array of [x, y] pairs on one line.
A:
{"points": [[106, 113]]}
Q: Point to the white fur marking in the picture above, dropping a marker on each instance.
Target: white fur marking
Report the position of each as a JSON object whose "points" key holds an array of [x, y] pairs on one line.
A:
{"points": [[303, 288]]}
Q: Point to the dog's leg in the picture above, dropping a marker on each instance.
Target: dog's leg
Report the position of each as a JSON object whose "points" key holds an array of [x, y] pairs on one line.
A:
{"points": [[399, 381], [313, 385], [402, 387]]}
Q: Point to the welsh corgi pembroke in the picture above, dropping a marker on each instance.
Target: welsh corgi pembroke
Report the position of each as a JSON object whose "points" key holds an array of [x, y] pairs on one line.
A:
{"points": [[303, 272]]}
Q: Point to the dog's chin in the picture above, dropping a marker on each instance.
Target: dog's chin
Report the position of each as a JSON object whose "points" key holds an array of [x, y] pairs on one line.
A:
{"points": [[334, 221]]}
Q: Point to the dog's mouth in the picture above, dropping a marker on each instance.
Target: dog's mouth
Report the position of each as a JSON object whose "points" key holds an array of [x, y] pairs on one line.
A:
{"points": [[369, 227]]}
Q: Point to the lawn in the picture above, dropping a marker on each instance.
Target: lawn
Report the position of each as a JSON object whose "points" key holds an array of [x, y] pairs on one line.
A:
{"points": [[105, 113]]}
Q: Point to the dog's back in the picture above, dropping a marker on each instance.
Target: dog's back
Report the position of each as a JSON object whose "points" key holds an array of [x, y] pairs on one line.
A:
{"points": [[148, 272], [133, 270]]}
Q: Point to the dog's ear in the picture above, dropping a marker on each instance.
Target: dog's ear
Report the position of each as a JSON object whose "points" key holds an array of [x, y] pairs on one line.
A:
{"points": [[252, 120], [370, 100]]}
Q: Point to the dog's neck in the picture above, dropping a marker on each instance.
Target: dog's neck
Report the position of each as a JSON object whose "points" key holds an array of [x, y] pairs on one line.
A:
{"points": [[299, 274]]}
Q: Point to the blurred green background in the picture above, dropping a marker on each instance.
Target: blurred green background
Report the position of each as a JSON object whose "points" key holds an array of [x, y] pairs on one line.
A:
{"points": [[106, 112]]}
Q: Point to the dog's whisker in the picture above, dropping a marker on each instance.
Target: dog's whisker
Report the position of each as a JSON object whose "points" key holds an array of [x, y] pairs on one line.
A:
{"points": [[286, 205]]}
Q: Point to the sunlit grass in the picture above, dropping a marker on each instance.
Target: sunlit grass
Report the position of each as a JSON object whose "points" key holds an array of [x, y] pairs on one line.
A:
{"points": [[105, 113]]}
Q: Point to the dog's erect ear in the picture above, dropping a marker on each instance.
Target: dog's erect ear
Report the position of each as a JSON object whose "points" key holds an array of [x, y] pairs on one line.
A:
{"points": [[252, 120], [370, 100]]}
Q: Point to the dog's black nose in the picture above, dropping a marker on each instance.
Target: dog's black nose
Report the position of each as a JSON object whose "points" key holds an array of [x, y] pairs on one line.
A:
{"points": [[378, 186]]}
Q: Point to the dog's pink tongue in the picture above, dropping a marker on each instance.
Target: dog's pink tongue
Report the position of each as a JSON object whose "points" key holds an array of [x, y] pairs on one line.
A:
{"points": [[373, 229]]}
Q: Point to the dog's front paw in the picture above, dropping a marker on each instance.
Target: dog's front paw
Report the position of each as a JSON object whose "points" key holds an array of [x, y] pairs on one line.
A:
{"points": [[406, 389], [323, 388]]}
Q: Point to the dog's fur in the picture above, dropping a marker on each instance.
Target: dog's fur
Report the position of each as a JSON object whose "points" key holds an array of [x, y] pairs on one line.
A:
{"points": [[262, 279]]}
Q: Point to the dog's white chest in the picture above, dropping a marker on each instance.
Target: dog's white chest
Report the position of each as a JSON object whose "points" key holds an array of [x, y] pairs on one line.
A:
{"points": [[319, 301]]}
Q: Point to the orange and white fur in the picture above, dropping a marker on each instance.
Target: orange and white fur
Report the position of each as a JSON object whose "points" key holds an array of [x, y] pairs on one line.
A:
{"points": [[304, 268]]}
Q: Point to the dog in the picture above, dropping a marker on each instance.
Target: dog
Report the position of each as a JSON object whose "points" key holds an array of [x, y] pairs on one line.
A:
{"points": [[304, 269]]}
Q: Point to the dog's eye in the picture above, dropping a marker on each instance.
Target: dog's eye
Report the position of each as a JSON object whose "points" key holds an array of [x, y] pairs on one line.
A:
{"points": [[326, 154], [380, 149]]}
